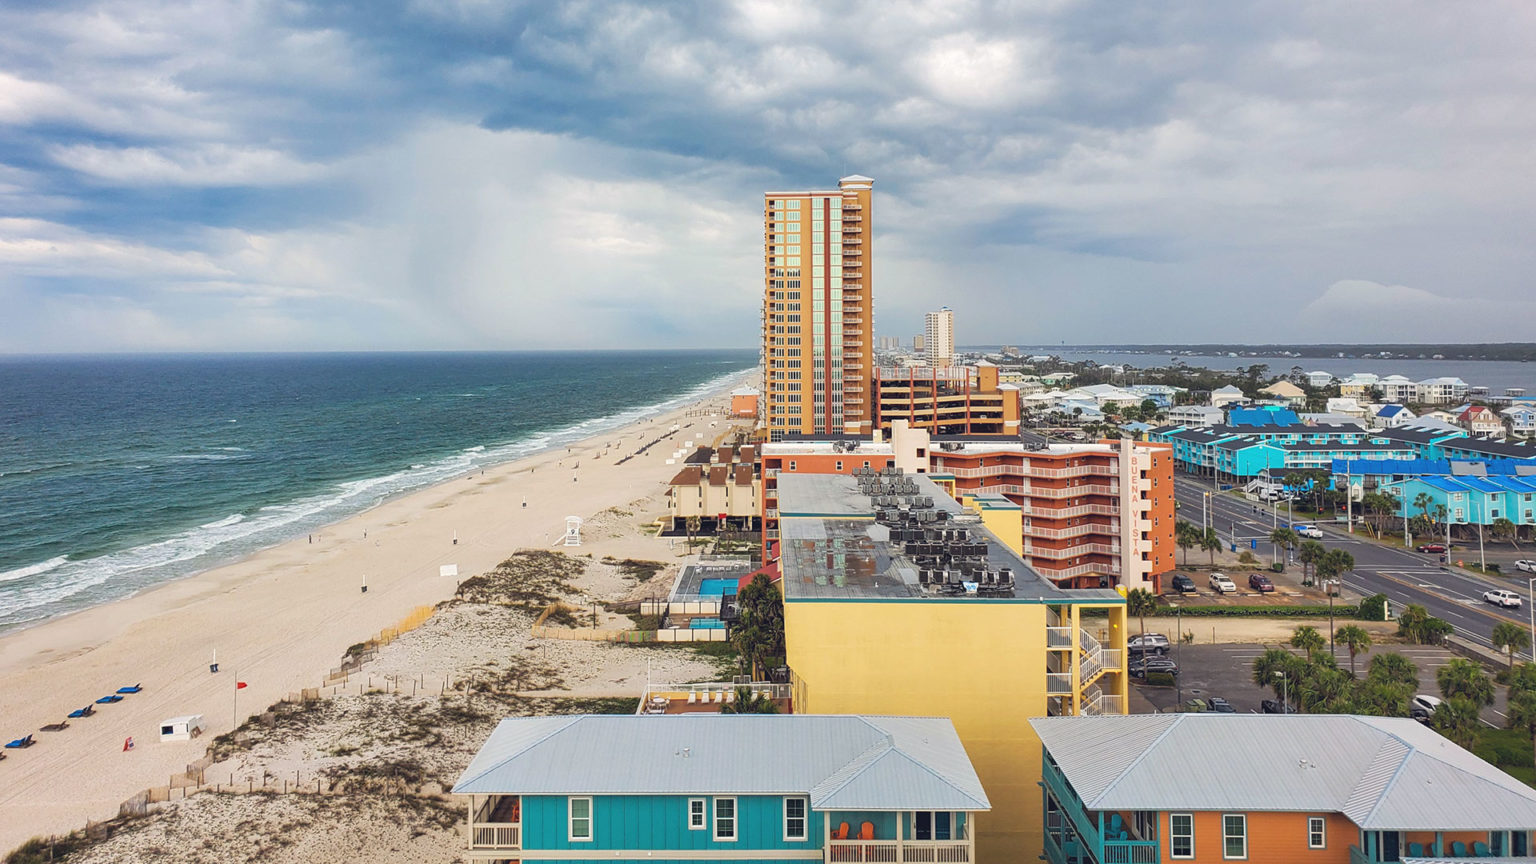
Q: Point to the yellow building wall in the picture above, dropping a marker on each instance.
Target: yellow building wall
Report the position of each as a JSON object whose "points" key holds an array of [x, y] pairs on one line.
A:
{"points": [[981, 663]]}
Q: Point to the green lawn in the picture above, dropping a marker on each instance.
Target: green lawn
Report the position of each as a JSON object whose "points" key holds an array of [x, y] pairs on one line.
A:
{"points": [[1510, 749]]}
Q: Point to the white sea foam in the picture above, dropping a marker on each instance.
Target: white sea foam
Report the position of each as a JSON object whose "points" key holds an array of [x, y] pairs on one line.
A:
{"points": [[43, 589], [33, 569]]}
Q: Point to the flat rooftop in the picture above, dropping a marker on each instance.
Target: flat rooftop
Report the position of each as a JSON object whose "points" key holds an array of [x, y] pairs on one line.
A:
{"points": [[832, 547]]}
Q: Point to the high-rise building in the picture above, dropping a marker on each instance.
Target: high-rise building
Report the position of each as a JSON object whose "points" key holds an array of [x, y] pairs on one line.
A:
{"points": [[818, 340], [917, 343], [939, 336]]}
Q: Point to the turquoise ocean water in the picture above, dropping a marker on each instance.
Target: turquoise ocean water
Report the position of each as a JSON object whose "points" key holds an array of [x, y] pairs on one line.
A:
{"points": [[119, 473]]}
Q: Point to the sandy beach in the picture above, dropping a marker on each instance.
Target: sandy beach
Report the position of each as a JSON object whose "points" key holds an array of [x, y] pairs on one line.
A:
{"points": [[283, 618]]}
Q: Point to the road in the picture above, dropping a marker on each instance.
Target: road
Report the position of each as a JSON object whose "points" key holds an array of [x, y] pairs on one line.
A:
{"points": [[1404, 576]]}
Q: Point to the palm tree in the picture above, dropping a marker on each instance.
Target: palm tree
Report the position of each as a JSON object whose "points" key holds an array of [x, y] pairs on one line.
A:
{"points": [[1356, 639], [1503, 529], [1268, 666], [1510, 637], [1210, 542], [1440, 519], [1422, 501], [1285, 538], [1185, 536], [749, 701], [1521, 713], [1457, 719], [1393, 668], [693, 524], [1464, 679], [1308, 639], [1141, 603], [1309, 553]]}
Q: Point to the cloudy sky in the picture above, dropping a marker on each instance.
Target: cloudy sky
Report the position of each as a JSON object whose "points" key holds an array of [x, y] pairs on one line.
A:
{"points": [[288, 175]]}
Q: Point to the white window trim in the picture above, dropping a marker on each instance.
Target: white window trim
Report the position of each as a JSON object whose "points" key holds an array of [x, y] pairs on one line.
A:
{"points": [[703, 814], [1224, 855], [1191, 818], [735, 821], [1322, 830], [570, 819], [805, 819]]}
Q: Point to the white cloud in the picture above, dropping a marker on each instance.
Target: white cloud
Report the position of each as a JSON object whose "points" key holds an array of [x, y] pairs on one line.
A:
{"points": [[204, 165]]}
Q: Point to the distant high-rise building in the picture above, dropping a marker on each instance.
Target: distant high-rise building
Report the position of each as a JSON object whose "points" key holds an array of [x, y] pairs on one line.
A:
{"points": [[939, 336], [818, 348], [917, 342]]}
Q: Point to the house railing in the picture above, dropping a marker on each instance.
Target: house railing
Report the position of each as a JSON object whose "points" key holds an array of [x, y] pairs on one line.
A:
{"points": [[1130, 852], [1058, 637], [497, 835], [1058, 683]]}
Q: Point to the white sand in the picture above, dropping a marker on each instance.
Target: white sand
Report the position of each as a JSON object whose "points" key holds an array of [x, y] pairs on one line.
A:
{"points": [[281, 619]]}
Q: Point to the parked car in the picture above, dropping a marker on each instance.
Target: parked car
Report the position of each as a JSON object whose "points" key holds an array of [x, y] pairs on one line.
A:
{"points": [[1526, 565], [1275, 706], [1220, 705], [1221, 584], [1422, 706], [1138, 667], [1183, 584], [1501, 597], [1144, 639], [1432, 547], [1260, 583], [1311, 531]]}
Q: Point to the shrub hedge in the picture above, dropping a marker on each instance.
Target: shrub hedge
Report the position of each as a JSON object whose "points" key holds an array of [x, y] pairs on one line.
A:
{"points": [[1340, 610]]}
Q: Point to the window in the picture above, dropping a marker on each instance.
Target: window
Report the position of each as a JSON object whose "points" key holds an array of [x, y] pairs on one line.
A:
{"points": [[725, 819], [581, 819], [930, 826], [794, 819], [1317, 833], [839, 466], [1181, 835], [1234, 835], [697, 816], [791, 465]]}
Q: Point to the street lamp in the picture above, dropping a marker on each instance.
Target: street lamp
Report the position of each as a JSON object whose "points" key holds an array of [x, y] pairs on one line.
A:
{"points": [[1330, 586], [1531, 586], [1178, 650], [1285, 684]]}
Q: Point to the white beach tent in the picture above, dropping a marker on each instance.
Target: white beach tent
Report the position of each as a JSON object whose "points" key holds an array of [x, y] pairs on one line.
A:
{"points": [[181, 728]]}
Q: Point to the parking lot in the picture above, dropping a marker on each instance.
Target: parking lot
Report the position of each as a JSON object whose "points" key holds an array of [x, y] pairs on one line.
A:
{"points": [[1227, 671]]}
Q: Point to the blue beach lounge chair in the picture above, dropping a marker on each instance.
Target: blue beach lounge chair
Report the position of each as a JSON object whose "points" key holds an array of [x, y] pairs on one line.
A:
{"points": [[20, 743], [134, 689], [108, 700], [81, 712]]}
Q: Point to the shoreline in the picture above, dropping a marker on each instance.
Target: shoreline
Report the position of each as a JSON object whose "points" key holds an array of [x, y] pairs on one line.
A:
{"points": [[282, 617], [555, 438]]}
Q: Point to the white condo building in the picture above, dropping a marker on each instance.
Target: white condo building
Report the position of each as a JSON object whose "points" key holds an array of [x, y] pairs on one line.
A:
{"points": [[939, 337]]}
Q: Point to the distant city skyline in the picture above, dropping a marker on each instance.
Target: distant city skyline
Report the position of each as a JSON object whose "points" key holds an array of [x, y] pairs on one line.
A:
{"points": [[459, 175]]}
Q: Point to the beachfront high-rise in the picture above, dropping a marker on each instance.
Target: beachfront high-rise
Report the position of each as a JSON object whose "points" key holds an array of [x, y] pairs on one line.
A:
{"points": [[818, 351], [939, 336]]}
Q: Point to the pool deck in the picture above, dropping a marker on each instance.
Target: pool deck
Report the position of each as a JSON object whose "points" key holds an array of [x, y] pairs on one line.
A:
{"points": [[690, 581]]}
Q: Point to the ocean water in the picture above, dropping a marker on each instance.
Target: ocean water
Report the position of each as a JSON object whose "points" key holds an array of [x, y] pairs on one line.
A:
{"points": [[119, 473]]}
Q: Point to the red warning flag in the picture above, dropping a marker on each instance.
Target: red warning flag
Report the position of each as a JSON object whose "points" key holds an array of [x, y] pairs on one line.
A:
{"points": [[240, 685]]}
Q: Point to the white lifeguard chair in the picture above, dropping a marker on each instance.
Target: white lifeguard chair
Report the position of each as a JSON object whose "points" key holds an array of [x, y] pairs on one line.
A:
{"points": [[573, 530]]}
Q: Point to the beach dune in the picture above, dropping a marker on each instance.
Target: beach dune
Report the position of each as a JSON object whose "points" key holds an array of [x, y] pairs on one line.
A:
{"points": [[280, 620]]}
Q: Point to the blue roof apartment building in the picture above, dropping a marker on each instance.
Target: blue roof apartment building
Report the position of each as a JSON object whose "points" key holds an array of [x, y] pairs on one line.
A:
{"points": [[748, 788]]}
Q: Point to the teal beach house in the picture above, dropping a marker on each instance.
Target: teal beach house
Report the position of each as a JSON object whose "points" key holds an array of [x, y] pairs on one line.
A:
{"points": [[748, 788]]}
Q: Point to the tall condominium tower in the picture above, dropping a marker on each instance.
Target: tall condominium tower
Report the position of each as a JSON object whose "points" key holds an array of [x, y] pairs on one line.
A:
{"points": [[818, 319], [939, 336]]}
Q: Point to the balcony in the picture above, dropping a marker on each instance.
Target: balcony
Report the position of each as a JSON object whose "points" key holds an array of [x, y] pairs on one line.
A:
{"points": [[1058, 683], [894, 847], [1058, 638], [495, 822], [1074, 827], [1076, 570], [1071, 551], [1071, 531]]}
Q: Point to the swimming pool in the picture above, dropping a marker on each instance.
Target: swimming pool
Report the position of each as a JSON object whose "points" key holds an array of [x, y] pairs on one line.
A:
{"points": [[717, 587], [706, 624]]}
